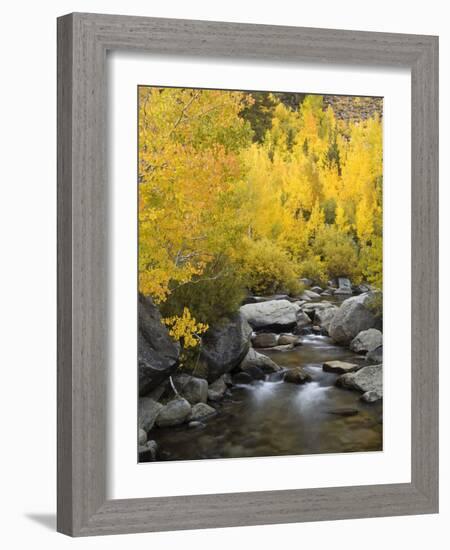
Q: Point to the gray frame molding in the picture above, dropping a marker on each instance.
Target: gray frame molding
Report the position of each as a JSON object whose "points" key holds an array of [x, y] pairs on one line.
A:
{"points": [[83, 40]]}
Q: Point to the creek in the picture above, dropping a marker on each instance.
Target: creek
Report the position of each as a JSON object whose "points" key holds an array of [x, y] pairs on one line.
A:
{"points": [[272, 417]]}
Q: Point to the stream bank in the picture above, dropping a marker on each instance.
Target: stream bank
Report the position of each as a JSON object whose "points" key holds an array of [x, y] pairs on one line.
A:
{"points": [[246, 407]]}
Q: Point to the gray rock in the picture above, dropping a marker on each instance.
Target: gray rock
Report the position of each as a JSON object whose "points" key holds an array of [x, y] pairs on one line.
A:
{"points": [[367, 379], [317, 306], [375, 355], [148, 410], [303, 320], [147, 452], [201, 411], [371, 396], [255, 359], [339, 367], [289, 339], [157, 353], [307, 282], [351, 318], [217, 389], [195, 390], [226, 344], [344, 286], [324, 317], [297, 375], [227, 378], [360, 289], [278, 314], [343, 292], [310, 295], [174, 413], [142, 437], [317, 289], [255, 372], [366, 340], [265, 340]]}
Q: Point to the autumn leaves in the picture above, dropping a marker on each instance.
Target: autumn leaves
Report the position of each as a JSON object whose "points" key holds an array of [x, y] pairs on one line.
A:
{"points": [[226, 205]]}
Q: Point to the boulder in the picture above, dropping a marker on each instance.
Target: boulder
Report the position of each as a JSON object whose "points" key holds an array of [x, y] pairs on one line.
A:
{"points": [[303, 320], [289, 339], [148, 410], [147, 452], [317, 289], [339, 367], [360, 289], [226, 344], [323, 317], [309, 295], [255, 372], [307, 282], [367, 379], [174, 413], [297, 376], [157, 353], [276, 314], [255, 359], [242, 378], [142, 437], [371, 396], [351, 318], [375, 355], [366, 340], [265, 340], [217, 389], [201, 411], [194, 389], [313, 308], [317, 306], [344, 286]]}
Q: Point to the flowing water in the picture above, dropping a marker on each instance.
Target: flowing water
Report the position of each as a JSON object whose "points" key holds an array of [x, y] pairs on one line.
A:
{"points": [[271, 417]]}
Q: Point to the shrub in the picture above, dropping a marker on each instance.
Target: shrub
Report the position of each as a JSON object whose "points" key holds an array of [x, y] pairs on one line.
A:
{"points": [[210, 296], [314, 268], [338, 253], [266, 268], [371, 262]]}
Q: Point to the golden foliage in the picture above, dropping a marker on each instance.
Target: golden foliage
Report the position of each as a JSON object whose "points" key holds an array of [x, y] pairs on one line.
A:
{"points": [[303, 199], [185, 328]]}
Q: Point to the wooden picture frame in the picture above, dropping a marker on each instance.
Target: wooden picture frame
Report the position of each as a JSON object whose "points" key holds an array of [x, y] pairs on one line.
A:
{"points": [[83, 40]]}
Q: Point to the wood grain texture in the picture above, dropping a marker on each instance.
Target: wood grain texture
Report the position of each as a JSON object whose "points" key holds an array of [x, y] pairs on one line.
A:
{"points": [[83, 40]]}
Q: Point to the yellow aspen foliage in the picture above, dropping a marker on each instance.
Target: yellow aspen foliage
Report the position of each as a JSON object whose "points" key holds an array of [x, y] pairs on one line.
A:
{"points": [[240, 194], [185, 329]]}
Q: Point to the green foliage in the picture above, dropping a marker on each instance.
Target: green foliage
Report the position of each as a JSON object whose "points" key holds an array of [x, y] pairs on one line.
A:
{"points": [[267, 268], [210, 296]]}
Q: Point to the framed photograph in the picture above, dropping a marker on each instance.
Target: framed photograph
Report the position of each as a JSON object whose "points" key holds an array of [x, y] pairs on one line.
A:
{"points": [[247, 274]]}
